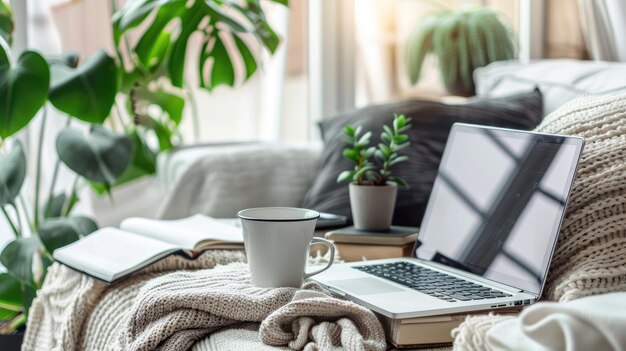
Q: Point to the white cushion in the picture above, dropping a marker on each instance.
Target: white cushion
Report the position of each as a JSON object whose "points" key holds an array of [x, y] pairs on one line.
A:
{"points": [[559, 80]]}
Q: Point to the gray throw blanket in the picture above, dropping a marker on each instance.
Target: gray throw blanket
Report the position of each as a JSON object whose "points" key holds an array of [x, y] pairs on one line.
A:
{"points": [[174, 311]]}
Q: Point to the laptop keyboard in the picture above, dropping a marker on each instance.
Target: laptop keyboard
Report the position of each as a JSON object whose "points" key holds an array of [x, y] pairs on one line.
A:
{"points": [[431, 282]]}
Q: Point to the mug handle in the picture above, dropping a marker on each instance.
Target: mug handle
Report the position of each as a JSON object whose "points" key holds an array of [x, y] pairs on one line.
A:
{"points": [[331, 247]]}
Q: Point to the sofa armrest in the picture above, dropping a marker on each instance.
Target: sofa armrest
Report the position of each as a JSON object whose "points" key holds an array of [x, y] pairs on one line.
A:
{"points": [[220, 179]]}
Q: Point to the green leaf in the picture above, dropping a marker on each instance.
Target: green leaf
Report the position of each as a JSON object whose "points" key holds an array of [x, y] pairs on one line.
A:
{"points": [[88, 92], [401, 138], [419, 44], [12, 173], [143, 164], [17, 258], [100, 157], [398, 160], [6, 314], [348, 130], [388, 131], [345, 175], [6, 22], [247, 56], [58, 232], [133, 13], [365, 138], [153, 44], [28, 295], [361, 172], [54, 206], [222, 71], [10, 293], [399, 181], [170, 103], [399, 122], [190, 21], [351, 154], [23, 90]]}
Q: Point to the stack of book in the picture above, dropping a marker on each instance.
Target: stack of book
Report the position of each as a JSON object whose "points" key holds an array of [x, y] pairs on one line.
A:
{"points": [[432, 331], [359, 245]]}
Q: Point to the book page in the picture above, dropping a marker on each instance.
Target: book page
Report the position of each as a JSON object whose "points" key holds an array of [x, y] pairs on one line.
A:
{"points": [[186, 233], [109, 253]]}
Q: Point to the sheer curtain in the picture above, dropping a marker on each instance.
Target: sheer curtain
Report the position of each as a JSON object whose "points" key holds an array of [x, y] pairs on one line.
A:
{"points": [[604, 28]]}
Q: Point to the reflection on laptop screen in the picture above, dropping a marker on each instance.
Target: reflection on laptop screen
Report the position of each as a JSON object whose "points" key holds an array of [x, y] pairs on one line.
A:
{"points": [[497, 203]]}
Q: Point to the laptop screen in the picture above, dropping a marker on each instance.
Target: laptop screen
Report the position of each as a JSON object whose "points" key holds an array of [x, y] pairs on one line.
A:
{"points": [[497, 203]]}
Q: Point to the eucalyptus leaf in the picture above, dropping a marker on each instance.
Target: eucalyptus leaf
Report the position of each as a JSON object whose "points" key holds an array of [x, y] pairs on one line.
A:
{"points": [[88, 92], [99, 157], [23, 90], [17, 258], [58, 232], [12, 173]]}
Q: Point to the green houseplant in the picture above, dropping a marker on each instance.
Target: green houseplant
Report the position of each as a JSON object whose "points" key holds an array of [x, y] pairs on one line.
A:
{"points": [[462, 40], [117, 148], [373, 188]]}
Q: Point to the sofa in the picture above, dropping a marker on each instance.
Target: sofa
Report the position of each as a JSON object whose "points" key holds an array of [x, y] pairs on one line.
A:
{"points": [[219, 180]]}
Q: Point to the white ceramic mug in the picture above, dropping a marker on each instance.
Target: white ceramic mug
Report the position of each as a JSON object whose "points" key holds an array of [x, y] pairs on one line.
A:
{"points": [[277, 241]]}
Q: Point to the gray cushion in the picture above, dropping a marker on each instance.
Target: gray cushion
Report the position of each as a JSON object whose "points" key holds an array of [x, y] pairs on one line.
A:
{"points": [[431, 123]]}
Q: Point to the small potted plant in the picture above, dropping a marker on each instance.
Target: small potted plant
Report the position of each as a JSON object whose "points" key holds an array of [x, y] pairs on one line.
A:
{"points": [[462, 40], [373, 189]]}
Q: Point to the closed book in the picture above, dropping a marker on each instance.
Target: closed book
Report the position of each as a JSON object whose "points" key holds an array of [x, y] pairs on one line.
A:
{"points": [[360, 252], [395, 235], [428, 331]]}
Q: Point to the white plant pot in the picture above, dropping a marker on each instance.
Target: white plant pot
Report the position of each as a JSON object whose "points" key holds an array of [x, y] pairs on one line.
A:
{"points": [[372, 206]]}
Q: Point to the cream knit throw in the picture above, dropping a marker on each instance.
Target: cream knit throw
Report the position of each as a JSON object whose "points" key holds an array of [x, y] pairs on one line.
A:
{"points": [[73, 311], [150, 310], [590, 257], [174, 311]]}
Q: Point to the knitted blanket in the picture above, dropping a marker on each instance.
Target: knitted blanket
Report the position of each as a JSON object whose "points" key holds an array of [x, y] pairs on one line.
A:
{"points": [[174, 311], [152, 310], [590, 257]]}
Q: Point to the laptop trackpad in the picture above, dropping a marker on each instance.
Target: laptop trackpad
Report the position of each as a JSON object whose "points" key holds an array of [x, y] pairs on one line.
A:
{"points": [[365, 286]]}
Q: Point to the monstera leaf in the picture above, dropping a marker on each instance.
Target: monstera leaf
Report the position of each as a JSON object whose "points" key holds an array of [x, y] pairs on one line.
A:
{"points": [[233, 26], [12, 173], [100, 157], [10, 296], [88, 92], [6, 22], [17, 258], [58, 232], [23, 90]]}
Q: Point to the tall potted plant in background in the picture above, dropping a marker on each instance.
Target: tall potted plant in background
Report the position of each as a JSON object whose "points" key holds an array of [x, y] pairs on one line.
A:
{"points": [[88, 93], [462, 40], [373, 188]]}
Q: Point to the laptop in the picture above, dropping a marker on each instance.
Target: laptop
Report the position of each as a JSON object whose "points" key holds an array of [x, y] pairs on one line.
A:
{"points": [[488, 232]]}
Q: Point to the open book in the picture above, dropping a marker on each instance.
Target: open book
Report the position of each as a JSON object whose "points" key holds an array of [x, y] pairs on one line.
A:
{"points": [[110, 254]]}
